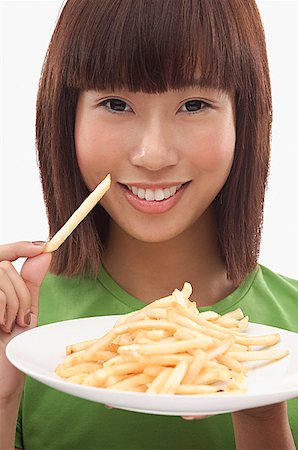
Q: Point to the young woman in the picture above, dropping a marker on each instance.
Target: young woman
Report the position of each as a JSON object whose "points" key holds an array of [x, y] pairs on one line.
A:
{"points": [[173, 99]]}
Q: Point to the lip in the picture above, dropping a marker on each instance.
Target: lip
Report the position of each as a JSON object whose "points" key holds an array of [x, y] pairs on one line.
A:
{"points": [[154, 186], [153, 206]]}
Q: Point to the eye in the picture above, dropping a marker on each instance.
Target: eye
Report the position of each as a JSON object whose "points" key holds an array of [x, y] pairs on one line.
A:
{"points": [[193, 106], [115, 105]]}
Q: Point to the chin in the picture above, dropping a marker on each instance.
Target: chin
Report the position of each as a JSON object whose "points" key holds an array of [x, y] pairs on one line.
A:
{"points": [[149, 235]]}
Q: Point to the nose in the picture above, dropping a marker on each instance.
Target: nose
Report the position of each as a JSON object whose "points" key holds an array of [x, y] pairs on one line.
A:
{"points": [[155, 149]]}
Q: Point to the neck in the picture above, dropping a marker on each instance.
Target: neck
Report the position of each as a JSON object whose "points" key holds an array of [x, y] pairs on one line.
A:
{"points": [[152, 270]]}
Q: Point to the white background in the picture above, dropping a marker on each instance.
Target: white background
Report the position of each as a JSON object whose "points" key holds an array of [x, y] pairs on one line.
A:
{"points": [[25, 30]]}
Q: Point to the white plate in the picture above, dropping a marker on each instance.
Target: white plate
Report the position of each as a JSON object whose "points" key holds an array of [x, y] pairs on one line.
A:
{"points": [[37, 352]]}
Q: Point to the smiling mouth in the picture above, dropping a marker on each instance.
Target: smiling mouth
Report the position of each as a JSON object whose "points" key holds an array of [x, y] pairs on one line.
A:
{"points": [[154, 194]]}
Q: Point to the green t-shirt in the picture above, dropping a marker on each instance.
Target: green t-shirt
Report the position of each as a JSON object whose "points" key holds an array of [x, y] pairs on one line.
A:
{"points": [[50, 419]]}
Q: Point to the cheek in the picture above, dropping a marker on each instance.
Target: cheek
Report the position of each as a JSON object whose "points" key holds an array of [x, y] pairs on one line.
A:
{"points": [[213, 149], [97, 149]]}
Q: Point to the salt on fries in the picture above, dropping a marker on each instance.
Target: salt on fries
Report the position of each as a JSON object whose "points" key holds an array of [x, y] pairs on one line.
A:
{"points": [[170, 347], [77, 217]]}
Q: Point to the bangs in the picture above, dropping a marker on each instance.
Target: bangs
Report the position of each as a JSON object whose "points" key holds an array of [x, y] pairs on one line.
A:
{"points": [[149, 45]]}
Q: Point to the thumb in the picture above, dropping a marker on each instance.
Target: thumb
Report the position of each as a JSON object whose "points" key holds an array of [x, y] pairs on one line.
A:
{"points": [[33, 273]]}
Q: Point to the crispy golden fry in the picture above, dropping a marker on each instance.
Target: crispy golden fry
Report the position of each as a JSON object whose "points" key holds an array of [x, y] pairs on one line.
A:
{"points": [[170, 347], [209, 315], [175, 378], [231, 363], [194, 368], [243, 323], [236, 314], [132, 382], [259, 355], [192, 389], [78, 215], [67, 372], [80, 346], [269, 339], [158, 383], [85, 357], [78, 379], [145, 324]]}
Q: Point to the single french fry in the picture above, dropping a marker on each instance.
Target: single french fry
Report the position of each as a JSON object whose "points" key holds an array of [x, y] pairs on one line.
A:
{"points": [[227, 322], [243, 323], [179, 297], [231, 363], [209, 315], [175, 378], [85, 357], [239, 348], [123, 339], [157, 335], [79, 346], [132, 357], [153, 370], [167, 360], [183, 334], [258, 355], [145, 324], [212, 376], [115, 360], [267, 340], [191, 389], [131, 382], [168, 347], [220, 349], [214, 364], [78, 379], [76, 370], [113, 379], [80, 214], [158, 383], [194, 368], [186, 290], [236, 314]]}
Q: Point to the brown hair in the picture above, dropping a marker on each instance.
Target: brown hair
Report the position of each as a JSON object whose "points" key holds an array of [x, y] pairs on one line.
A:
{"points": [[152, 46]]}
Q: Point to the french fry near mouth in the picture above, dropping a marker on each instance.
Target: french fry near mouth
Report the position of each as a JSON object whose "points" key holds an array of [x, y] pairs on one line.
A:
{"points": [[80, 214]]}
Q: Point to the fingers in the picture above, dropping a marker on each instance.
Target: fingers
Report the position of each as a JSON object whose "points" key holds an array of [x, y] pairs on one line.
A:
{"points": [[9, 302], [23, 249], [19, 293], [33, 273], [22, 294]]}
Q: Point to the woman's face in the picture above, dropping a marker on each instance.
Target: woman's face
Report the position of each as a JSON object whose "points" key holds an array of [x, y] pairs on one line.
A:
{"points": [[169, 155]]}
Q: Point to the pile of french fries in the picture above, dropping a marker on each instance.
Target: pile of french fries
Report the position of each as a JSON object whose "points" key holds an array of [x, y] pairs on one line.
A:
{"points": [[170, 347]]}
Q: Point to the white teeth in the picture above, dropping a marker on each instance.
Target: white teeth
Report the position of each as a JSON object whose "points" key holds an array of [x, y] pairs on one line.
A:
{"points": [[167, 193], [154, 194], [149, 195], [173, 190], [159, 195], [141, 193]]}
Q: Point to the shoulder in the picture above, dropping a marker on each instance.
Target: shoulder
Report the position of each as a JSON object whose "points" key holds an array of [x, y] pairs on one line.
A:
{"points": [[278, 283], [272, 299]]}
